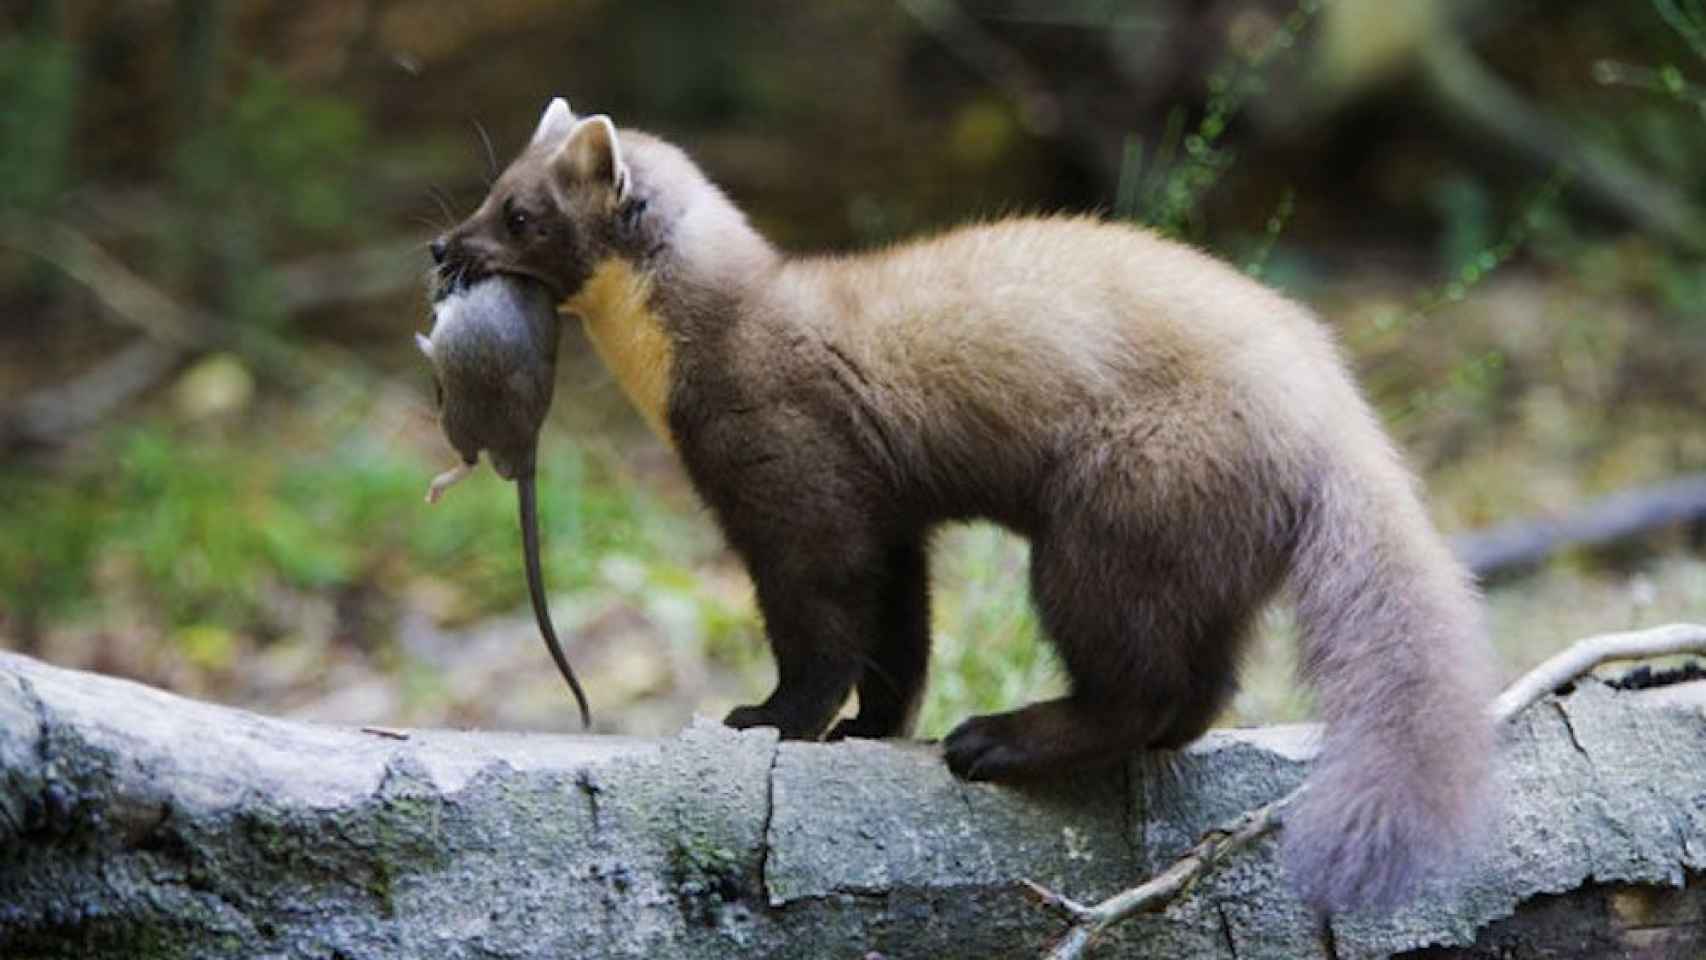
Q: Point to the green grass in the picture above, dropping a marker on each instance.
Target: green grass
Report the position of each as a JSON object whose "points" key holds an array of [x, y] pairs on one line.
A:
{"points": [[203, 526], [987, 652]]}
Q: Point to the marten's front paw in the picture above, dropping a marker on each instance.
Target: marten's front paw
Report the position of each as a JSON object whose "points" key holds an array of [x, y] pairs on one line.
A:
{"points": [[790, 724], [742, 718], [985, 748]]}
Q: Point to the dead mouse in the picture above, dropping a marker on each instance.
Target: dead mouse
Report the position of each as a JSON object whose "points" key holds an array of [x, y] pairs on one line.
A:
{"points": [[493, 350]]}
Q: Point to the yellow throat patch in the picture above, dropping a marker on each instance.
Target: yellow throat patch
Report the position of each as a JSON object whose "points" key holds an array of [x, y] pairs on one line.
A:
{"points": [[629, 337]]}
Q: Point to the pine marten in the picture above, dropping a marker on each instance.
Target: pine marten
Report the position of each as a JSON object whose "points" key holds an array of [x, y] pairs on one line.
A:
{"points": [[1177, 442]]}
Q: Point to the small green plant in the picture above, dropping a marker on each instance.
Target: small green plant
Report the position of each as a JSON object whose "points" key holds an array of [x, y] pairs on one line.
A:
{"points": [[987, 653], [1475, 377], [1257, 263], [1169, 196], [1688, 19], [1677, 278]]}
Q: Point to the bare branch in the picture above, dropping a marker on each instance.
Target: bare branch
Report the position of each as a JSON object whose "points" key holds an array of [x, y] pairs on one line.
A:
{"points": [[1166, 886], [1586, 654], [1467, 91], [173, 330], [131, 299], [1605, 520], [50, 414], [1063, 906], [352, 276], [171, 333]]}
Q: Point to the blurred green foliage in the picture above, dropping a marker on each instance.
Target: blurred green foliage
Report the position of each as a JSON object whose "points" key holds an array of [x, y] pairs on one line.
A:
{"points": [[201, 528], [1170, 196], [1688, 19], [271, 171], [39, 76], [253, 173], [278, 157]]}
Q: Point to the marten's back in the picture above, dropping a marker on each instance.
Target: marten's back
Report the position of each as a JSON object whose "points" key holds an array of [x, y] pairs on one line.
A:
{"points": [[995, 347]]}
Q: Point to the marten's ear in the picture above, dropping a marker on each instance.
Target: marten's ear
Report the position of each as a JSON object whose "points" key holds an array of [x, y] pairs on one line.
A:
{"points": [[556, 122], [592, 154]]}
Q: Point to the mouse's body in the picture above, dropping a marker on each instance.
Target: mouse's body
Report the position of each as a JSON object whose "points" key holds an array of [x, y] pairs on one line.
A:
{"points": [[493, 350]]}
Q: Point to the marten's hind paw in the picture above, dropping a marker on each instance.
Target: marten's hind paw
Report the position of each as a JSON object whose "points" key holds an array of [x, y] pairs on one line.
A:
{"points": [[982, 748], [1047, 739]]}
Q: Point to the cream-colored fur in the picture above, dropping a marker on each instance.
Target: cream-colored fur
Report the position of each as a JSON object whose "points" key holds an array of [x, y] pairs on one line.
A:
{"points": [[617, 317], [1011, 331]]}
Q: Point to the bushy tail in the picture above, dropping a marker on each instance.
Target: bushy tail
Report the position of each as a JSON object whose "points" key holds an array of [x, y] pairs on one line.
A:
{"points": [[1393, 644]]}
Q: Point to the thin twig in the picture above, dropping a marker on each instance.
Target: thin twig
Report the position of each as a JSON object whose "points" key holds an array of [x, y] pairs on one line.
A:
{"points": [[1586, 654], [127, 295], [352, 276], [1468, 92], [1063, 906], [52, 414], [1164, 887], [1087, 922], [174, 331]]}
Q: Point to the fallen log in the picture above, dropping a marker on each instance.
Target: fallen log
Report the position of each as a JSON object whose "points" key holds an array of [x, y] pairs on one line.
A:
{"points": [[1605, 520], [137, 823]]}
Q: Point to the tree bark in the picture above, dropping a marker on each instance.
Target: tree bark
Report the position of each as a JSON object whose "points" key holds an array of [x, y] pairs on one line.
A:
{"points": [[134, 823]]}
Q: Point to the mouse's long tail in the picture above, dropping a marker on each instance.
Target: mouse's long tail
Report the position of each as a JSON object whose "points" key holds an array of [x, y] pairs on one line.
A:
{"points": [[536, 588]]}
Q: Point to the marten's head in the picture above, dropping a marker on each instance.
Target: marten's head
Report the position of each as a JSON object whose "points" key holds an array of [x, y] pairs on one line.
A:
{"points": [[568, 203]]}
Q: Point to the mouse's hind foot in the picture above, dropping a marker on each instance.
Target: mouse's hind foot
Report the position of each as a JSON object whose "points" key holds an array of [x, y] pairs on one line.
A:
{"points": [[446, 480]]}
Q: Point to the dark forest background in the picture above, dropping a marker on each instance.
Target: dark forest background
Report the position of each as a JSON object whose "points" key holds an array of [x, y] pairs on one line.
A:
{"points": [[215, 434]]}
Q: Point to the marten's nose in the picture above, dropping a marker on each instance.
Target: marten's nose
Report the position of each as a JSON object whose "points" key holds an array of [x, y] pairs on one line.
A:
{"points": [[439, 248]]}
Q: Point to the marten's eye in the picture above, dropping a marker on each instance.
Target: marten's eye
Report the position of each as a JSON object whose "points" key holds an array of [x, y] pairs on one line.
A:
{"points": [[515, 220]]}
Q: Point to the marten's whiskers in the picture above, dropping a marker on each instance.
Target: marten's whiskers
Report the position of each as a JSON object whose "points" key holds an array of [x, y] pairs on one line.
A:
{"points": [[491, 155], [444, 205]]}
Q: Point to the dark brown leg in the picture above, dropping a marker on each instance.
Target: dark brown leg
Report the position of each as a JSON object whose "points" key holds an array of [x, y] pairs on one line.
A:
{"points": [[823, 612], [891, 686], [1150, 652]]}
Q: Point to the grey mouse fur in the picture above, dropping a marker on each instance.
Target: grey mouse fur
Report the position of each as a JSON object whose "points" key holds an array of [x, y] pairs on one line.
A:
{"points": [[493, 351]]}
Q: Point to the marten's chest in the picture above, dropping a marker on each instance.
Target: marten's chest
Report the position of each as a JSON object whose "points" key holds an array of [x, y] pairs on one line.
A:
{"points": [[628, 335]]}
